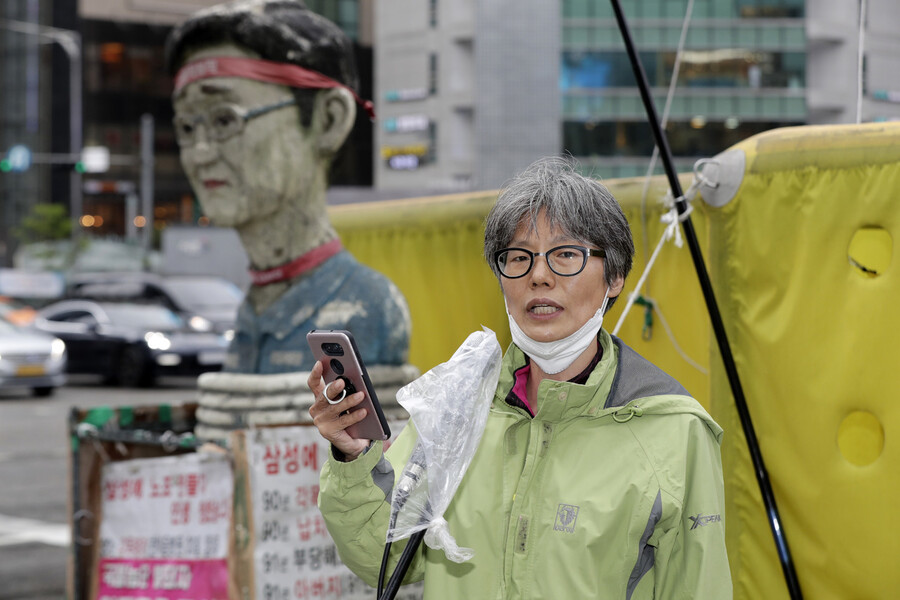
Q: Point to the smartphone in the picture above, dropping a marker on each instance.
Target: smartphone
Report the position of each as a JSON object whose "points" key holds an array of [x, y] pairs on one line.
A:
{"points": [[340, 358]]}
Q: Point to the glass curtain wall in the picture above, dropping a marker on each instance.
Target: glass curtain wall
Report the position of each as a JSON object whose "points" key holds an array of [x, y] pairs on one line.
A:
{"points": [[742, 71]]}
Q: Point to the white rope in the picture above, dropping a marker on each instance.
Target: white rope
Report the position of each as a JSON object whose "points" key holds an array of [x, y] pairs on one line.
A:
{"points": [[635, 293], [673, 219], [665, 116], [672, 231], [668, 329], [859, 60]]}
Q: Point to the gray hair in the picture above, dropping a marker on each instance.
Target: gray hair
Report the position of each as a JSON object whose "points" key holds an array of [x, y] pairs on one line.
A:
{"points": [[579, 206]]}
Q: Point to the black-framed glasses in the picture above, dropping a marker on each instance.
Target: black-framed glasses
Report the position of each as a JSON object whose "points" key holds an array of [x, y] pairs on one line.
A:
{"points": [[221, 122], [565, 260]]}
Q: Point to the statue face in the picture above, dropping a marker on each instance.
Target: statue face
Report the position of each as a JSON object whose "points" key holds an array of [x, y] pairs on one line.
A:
{"points": [[262, 164]]}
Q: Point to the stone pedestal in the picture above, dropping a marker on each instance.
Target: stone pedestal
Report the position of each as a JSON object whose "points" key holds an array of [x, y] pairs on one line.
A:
{"points": [[229, 401]]}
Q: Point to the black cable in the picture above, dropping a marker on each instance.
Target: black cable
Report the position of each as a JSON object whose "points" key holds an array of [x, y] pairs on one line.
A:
{"points": [[393, 585], [413, 475], [665, 152], [383, 570]]}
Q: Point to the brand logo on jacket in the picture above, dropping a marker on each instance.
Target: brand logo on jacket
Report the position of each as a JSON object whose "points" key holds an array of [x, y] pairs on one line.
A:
{"points": [[566, 515], [702, 520]]}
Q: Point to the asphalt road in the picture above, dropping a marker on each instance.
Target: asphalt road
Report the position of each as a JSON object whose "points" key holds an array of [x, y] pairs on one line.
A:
{"points": [[34, 484]]}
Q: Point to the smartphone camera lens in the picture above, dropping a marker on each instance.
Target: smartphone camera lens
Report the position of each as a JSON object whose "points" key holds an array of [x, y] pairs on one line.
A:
{"points": [[332, 349], [348, 385], [336, 366]]}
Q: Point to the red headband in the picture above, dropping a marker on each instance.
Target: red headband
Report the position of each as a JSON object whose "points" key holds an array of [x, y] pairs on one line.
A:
{"points": [[262, 70]]}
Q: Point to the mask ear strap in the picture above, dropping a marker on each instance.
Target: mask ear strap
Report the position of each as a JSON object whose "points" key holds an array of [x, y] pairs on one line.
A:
{"points": [[605, 299]]}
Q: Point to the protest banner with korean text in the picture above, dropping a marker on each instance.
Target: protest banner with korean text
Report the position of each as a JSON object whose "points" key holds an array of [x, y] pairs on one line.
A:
{"points": [[165, 528]]}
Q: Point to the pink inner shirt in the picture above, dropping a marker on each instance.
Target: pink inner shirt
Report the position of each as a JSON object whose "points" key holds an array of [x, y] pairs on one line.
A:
{"points": [[519, 388], [520, 391]]}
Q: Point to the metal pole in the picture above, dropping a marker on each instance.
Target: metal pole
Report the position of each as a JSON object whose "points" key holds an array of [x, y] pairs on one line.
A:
{"points": [[70, 42], [131, 211], [147, 179], [762, 476], [72, 46]]}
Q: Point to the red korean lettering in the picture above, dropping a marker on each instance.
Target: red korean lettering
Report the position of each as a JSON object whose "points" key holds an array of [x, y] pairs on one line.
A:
{"points": [[212, 511], [311, 456], [334, 586], [181, 513], [319, 526], [193, 483], [304, 529], [109, 491], [291, 458], [271, 460], [317, 588]]}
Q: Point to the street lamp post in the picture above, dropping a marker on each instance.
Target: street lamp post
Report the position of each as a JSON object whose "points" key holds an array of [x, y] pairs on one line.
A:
{"points": [[70, 42]]}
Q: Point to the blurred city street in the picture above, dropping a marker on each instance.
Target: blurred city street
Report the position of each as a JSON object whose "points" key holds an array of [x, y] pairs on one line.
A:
{"points": [[34, 469]]}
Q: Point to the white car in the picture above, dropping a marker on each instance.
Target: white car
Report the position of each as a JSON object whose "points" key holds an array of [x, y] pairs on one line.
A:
{"points": [[31, 359]]}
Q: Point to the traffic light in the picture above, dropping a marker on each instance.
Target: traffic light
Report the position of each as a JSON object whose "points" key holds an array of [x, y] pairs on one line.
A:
{"points": [[79, 167], [17, 159]]}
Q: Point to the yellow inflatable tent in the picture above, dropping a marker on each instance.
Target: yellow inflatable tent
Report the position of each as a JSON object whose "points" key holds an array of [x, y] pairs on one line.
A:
{"points": [[798, 239]]}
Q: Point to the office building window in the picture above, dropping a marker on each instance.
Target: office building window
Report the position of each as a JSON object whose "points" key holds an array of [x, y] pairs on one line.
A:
{"points": [[344, 13], [767, 9], [655, 9], [432, 142], [695, 138], [722, 68], [432, 73]]}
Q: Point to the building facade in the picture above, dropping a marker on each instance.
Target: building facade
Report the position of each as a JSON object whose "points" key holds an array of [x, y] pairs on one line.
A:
{"points": [[467, 92], [472, 90], [35, 74], [125, 93]]}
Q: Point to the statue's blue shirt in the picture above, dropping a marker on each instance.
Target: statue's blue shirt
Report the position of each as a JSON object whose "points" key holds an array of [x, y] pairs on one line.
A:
{"points": [[340, 293]]}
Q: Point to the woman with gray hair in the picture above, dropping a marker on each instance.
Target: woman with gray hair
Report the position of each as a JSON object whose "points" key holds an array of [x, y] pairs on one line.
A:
{"points": [[597, 476]]}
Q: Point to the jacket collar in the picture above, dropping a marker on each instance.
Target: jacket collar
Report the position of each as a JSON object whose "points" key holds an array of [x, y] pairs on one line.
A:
{"points": [[561, 400]]}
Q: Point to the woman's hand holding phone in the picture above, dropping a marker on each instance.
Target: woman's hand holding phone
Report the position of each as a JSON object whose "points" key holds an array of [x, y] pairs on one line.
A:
{"points": [[332, 420]]}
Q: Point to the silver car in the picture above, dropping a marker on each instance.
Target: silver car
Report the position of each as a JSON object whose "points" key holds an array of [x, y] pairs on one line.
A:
{"points": [[31, 359]]}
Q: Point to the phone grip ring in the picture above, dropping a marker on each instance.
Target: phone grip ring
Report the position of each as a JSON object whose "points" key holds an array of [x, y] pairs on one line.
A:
{"points": [[336, 400]]}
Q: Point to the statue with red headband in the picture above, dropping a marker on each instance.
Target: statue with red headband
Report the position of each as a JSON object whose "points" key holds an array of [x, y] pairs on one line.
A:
{"points": [[265, 95]]}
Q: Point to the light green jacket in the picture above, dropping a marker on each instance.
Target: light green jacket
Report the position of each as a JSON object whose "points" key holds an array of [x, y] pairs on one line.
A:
{"points": [[613, 490]]}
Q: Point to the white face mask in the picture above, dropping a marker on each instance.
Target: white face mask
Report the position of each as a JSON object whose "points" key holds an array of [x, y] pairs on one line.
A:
{"points": [[554, 357]]}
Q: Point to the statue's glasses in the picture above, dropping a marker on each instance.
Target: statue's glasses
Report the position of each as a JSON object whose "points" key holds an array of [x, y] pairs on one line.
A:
{"points": [[565, 260], [221, 122]]}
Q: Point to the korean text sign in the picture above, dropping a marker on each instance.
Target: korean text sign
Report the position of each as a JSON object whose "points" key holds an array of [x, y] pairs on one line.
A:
{"points": [[165, 528]]}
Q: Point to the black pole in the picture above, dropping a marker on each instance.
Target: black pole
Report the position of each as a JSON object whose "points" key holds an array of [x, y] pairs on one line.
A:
{"points": [[762, 476], [393, 584]]}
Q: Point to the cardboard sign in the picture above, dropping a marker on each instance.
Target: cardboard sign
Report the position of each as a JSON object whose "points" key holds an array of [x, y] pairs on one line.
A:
{"points": [[282, 549], [293, 555], [165, 528]]}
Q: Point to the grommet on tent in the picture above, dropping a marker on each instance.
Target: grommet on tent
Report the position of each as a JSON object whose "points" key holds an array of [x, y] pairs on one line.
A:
{"points": [[720, 176]]}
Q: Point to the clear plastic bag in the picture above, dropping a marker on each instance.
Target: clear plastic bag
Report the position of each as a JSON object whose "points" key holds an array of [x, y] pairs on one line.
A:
{"points": [[448, 406]]}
